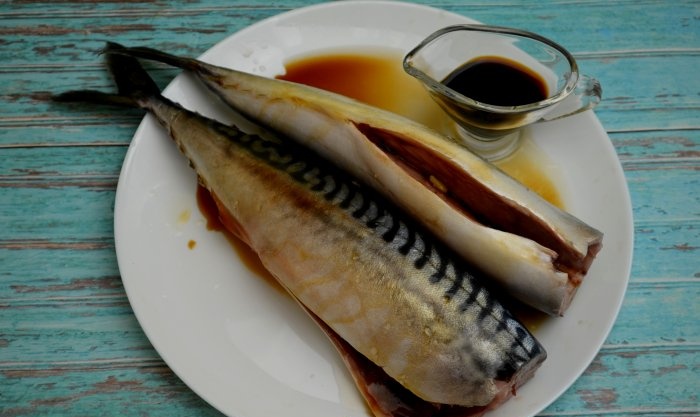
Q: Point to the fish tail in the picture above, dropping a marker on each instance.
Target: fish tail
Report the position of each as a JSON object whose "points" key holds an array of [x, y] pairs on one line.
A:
{"points": [[156, 55], [135, 87]]}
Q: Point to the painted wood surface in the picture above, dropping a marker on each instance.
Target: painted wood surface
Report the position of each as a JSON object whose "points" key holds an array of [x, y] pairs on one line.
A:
{"points": [[69, 342]]}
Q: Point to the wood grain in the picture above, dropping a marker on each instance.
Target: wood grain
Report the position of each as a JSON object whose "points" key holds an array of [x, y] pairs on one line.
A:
{"points": [[69, 342]]}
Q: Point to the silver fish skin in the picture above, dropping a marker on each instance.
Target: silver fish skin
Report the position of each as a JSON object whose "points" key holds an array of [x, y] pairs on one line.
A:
{"points": [[365, 269], [532, 249]]}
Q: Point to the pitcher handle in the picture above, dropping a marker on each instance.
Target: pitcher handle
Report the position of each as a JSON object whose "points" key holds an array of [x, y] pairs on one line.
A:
{"points": [[585, 96]]}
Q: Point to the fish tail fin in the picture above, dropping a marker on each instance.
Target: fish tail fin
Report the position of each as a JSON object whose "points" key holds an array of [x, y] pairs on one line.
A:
{"points": [[151, 54], [135, 87]]}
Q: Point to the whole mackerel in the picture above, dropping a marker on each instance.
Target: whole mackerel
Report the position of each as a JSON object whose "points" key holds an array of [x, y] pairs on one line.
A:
{"points": [[530, 248], [373, 278]]}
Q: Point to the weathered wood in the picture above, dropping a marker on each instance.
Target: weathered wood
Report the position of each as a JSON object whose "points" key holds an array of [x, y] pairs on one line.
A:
{"points": [[108, 388], [69, 342], [57, 211], [644, 383]]}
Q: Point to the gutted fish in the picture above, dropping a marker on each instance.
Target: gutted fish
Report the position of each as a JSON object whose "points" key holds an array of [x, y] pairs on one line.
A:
{"points": [[534, 250], [371, 276]]}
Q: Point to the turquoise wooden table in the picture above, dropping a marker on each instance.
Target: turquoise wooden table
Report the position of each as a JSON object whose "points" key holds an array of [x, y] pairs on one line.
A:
{"points": [[69, 342]]}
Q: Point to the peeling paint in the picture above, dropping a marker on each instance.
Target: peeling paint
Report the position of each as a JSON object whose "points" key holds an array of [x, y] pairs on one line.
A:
{"points": [[598, 399]]}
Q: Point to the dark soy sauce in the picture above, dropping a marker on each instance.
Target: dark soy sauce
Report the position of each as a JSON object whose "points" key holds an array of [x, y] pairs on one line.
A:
{"points": [[497, 81]]}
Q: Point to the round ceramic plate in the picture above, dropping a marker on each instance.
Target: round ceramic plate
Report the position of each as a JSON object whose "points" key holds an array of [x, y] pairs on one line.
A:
{"points": [[248, 349]]}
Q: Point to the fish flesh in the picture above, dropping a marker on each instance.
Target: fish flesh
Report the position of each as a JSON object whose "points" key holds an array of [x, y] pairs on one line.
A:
{"points": [[535, 251], [374, 279]]}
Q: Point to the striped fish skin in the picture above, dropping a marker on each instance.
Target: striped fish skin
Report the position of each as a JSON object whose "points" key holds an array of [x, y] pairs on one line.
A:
{"points": [[535, 251], [387, 287], [351, 258]]}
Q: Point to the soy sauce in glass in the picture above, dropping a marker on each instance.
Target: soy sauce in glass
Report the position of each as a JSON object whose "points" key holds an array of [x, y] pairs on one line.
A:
{"points": [[497, 81]]}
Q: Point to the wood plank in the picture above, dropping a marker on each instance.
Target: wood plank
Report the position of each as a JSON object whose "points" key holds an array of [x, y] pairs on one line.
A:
{"points": [[77, 129], [667, 198], [639, 103], [666, 250], [617, 369], [45, 329], [634, 381], [98, 389], [585, 26], [672, 23], [58, 270], [620, 382], [27, 165], [195, 27], [647, 311], [82, 36], [57, 211], [656, 145]]}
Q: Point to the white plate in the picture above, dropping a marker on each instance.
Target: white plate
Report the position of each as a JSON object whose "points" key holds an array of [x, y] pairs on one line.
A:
{"points": [[250, 351]]}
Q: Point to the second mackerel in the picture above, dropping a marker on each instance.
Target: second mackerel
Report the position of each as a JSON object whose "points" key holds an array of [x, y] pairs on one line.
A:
{"points": [[532, 249]]}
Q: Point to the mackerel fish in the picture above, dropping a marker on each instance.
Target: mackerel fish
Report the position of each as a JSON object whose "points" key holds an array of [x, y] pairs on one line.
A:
{"points": [[383, 288]]}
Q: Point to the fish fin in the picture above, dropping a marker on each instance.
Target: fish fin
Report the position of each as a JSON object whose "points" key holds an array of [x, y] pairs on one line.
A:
{"points": [[136, 88], [156, 55], [132, 80]]}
